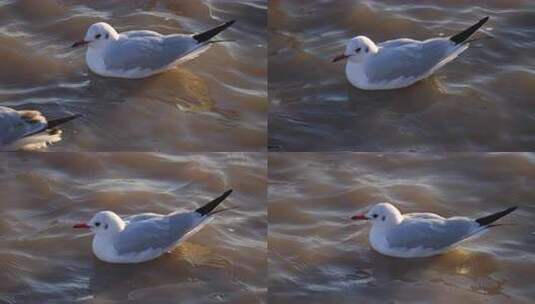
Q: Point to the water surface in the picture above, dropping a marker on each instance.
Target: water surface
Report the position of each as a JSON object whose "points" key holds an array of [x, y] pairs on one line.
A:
{"points": [[216, 102], [44, 260], [482, 101], [318, 255]]}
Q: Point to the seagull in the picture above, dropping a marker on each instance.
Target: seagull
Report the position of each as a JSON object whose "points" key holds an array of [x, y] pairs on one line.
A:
{"points": [[140, 54], [144, 237], [399, 63], [414, 235], [28, 130]]}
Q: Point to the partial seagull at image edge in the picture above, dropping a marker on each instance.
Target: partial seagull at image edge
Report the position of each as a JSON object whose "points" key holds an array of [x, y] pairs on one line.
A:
{"points": [[28, 129]]}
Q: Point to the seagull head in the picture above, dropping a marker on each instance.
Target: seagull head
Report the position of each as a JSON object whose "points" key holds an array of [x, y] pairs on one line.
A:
{"points": [[104, 223], [98, 35], [382, 214], [358, 49]]}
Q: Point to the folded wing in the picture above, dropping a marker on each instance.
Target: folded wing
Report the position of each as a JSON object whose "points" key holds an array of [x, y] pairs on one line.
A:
{"points": [[148, 51], [405, 59], [432, 234], [157, 233]]}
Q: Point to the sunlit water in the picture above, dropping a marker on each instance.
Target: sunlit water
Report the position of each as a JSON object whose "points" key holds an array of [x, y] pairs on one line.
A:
{"points": [[318, 255], [480, 102], [44, 260], [217, 102]]}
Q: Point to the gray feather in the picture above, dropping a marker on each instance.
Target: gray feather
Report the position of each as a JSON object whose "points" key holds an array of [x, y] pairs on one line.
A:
{"points": [[146, 50], [155, 232], [431, 233], [406, 58]]}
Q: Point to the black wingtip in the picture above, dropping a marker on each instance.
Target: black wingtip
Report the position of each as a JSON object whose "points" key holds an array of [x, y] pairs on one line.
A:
{"points": [[489, 219], [209, 34], [58, 121], [462, 36], [206, 209]]}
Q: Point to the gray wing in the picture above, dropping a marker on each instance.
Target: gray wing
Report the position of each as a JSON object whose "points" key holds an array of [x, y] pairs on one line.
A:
{"points": [[142, 217], [147, 51], [15, 125], [431, 233], [155, 233], [141, 33], [410, 60], [397, 42], [424, 215]]}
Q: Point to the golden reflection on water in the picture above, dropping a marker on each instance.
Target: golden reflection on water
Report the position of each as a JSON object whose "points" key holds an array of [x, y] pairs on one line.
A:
{"points": [[198, 255], [197, 98]]}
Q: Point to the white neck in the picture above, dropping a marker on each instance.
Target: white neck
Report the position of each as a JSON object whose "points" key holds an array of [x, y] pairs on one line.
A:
{"points": [[103, 243], [103, 247], [380, 230], [377, 237], [94, 58], [355, 74]]}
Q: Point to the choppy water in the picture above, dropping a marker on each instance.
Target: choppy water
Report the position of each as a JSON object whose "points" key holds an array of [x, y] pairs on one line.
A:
{"points": [[44, 260], [483, 101], [217, 102], [480, 102], [318, 255]]}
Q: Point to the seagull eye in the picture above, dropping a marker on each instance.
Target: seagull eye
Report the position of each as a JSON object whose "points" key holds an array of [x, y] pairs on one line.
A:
{"points": [[97, 36], [383, 218], [106, 226], [97, 224], [367, 50], [107, 36], [357, 50], [374, 216]]}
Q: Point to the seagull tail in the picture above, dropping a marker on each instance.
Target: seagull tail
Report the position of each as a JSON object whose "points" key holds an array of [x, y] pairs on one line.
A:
{"points": [[56, 122], [489, 219], [209, 34], [207, 209], [464, 35], [51, 124]]}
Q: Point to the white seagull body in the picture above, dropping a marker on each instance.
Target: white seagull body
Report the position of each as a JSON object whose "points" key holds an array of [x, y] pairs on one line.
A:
{"points": [[421, 234], [28, 130], [146, 236], [401, 62], [139, 54]]}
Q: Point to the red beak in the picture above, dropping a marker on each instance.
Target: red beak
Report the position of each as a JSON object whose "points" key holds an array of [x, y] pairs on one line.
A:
{"points": [[340, 57], [359, 217], [81, 226], [79, 43]]}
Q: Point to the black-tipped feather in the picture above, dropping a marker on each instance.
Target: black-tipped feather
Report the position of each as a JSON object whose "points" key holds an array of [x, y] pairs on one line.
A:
{"points": [[489, 219], [462, 36], [209, 34], [51, 124], [206, 209], [58, 121]]}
